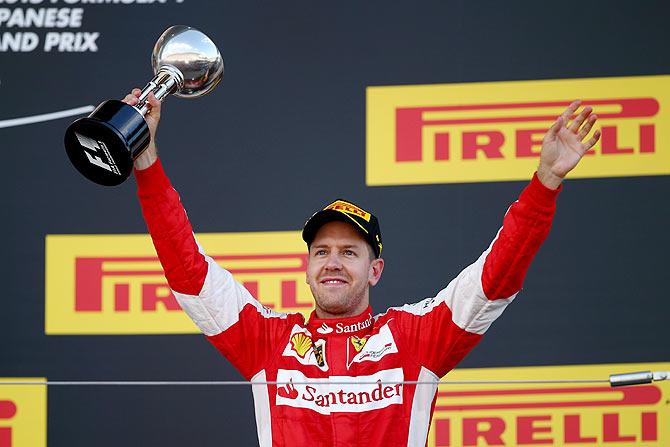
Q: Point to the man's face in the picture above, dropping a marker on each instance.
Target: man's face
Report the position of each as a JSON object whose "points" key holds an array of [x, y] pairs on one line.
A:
{"points": [[340, 271]]}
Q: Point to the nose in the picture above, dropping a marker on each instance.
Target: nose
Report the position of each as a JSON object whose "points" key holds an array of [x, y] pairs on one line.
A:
{"points": [[333, 262]]}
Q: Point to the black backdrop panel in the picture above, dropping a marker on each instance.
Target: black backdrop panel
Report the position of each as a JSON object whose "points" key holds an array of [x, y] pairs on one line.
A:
{"points": [[265, 143]]}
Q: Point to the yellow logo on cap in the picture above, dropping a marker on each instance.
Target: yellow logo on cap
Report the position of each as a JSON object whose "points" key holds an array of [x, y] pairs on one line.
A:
{"points": [[349, 208]]}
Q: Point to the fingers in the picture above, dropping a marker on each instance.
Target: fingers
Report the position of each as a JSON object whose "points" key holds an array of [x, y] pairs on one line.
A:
{"points": [[581, 125], [572, 108], [592, 141], [564, 119], [154, 113], [153, 102], [155, 110], [584, 131], [577, 123], [556, 127], [131, 98]]}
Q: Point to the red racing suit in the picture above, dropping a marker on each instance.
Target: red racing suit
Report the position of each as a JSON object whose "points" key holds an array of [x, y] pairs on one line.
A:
{"points": [[351, 365]]}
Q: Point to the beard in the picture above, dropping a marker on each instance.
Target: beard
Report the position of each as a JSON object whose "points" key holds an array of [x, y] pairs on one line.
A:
{"points": [[339, 302]]}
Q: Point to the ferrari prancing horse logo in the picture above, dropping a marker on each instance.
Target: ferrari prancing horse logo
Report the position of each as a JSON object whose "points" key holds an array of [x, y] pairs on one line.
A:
{"points": [[358, 342]]}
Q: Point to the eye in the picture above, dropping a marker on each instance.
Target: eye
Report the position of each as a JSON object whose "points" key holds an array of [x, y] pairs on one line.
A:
{"points": [[349, 253], [320, 252]]}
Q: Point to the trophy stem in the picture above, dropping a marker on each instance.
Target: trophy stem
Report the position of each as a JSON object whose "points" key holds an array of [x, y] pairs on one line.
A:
{"points": [[167, 81]]}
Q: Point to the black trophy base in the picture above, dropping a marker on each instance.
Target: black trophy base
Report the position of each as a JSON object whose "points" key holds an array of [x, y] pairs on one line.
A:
{"points": [[104, 145]]}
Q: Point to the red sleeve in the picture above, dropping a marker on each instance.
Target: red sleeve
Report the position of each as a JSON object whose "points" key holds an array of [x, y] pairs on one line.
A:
{"points": [[243, 330], [184, 266], [441, 330], [525, 227]]}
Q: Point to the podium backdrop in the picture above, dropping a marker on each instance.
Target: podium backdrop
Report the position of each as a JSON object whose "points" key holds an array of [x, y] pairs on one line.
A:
{"points": [[317, 103]]}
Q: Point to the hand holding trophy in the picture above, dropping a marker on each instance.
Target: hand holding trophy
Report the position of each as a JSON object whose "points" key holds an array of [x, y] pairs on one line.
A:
{"points": [[104, 145]]}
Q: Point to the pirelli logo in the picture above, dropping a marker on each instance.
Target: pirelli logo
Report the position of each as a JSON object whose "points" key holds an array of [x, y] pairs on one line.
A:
{"points": [[114, 284], [349, 208], [23, 414], [552, 414], [493, 131]]}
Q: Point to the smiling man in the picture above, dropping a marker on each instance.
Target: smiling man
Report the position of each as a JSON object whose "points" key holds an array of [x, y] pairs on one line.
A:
{"points": [[344, 247], [342, 375]]}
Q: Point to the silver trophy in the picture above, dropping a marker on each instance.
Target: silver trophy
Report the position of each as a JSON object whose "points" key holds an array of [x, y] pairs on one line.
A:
{"points": [[104, 145]]}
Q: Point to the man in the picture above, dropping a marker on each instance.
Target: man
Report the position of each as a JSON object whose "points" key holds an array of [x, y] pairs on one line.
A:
{"points": [[341, 373]]}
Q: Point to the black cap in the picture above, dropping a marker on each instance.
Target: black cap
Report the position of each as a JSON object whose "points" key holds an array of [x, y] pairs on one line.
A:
{"points": [[342, 210]]}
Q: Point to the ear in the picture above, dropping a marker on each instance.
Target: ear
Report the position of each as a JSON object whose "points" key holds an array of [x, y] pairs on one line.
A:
{"points": [[375, 271]]}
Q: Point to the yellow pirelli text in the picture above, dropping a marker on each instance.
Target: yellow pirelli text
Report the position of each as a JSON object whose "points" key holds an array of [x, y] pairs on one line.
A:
{"points": [[114, 284], [552, 414], [23, 413], [349, 208], [486, 132]]}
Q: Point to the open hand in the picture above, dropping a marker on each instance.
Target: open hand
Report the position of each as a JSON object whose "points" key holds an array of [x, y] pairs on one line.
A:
{"points": [[563, 145]]}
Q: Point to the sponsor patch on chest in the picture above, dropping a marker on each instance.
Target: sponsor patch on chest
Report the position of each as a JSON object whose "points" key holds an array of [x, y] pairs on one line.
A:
{"points": [[302, 348], [371, 348], [340, 394]]}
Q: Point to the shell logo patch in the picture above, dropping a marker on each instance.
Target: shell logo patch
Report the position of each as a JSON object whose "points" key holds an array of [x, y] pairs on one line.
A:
{"points": [[301, 343]]}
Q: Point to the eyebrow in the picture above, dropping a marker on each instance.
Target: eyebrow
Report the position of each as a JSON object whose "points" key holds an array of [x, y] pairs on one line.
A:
{"points": [[341, 246]]}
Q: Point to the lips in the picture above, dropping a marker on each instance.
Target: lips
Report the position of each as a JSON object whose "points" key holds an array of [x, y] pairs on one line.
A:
{"points": [[332, 281]]}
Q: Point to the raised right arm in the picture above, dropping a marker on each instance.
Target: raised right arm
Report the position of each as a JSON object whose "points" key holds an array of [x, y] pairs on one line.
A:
{"points": [[242, 329]]}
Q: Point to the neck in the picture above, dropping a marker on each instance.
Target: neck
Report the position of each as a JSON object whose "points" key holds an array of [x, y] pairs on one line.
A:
{"points": [[324, 314]]}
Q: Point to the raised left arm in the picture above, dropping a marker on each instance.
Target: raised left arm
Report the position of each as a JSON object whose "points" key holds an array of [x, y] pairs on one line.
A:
{"points": [[459, 315]]}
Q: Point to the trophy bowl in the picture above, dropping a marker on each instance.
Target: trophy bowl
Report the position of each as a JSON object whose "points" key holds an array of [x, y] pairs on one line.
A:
{"points": [[194, 55], [103, 145]]}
